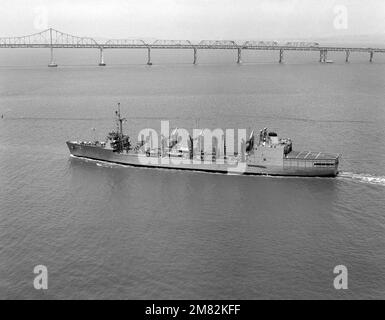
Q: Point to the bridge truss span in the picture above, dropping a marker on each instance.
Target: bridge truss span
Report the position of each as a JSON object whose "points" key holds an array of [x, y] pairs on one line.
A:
{"points": [[60, 40], [48, 38], [125, 43], [172, 43], [218, 44]]}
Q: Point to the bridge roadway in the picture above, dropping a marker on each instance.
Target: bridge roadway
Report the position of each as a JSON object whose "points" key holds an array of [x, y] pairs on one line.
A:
{"points": [[53, 39]]}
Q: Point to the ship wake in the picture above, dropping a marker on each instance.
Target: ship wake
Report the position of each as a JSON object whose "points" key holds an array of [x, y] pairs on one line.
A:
{"points": [[363, 177]]}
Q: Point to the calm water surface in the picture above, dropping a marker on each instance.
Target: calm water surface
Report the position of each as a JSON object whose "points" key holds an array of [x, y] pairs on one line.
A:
{"points": [[107, 231]]}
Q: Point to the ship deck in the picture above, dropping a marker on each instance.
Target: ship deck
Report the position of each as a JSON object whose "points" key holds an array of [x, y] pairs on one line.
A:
{"points": [[311, 155]]}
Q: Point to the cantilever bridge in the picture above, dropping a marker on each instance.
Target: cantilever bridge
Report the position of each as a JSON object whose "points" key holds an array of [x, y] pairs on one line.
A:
{"points": [[53, 39]]}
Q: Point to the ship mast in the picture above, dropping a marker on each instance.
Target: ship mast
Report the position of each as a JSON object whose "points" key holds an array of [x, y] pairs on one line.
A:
{"points": [[119, 121]]}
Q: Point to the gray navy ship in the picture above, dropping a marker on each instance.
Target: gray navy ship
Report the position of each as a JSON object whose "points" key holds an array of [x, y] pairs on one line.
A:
{"points": [[266, 154]]}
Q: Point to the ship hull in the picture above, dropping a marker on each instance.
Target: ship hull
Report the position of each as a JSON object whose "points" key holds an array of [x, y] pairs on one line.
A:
{"points": [[226, 167]]}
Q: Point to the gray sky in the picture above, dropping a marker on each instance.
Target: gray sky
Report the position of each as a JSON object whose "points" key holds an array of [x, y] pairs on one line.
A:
{"points": [[195, 19]]}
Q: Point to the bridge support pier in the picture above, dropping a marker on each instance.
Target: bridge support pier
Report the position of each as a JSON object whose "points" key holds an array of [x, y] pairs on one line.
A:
{"points": [[239, 56], [101, 61], [281, 56], [195, 55], [371, 54], [149, 56], [323, 56], [52, 61], [347, 55]]}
